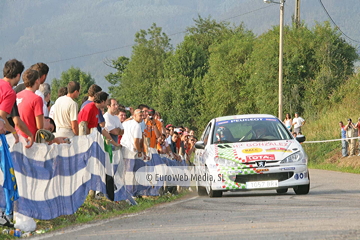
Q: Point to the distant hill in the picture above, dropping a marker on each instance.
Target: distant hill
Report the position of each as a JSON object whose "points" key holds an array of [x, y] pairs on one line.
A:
{"points": [[58, 32]]}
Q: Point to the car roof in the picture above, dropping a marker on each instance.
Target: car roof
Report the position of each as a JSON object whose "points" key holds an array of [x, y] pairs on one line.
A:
{"points": [[244, 116]]}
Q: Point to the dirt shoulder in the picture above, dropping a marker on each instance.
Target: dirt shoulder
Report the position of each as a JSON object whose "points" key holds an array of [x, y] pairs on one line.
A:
{"points": [[338, 160]]}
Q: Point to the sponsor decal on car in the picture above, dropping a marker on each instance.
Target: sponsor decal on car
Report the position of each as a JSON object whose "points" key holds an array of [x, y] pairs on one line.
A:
{"points": [[287, 168], [252, 150], [263, 157], [296, 176], [261, 144], [271, 119], [262, 170], [235, 172], [246, 120], [278, 149], [222, 122]]}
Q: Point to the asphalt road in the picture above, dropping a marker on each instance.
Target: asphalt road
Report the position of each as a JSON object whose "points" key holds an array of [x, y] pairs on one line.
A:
{"points": [[330, 211]]}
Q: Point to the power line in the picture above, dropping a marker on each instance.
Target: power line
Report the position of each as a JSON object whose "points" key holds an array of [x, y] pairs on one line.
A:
{"points": [[271, 5], [109, 50], [90, 54], [327, 13]]}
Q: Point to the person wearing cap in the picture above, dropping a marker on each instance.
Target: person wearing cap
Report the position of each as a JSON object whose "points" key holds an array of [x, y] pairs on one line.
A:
{"points": [[298, 122]]}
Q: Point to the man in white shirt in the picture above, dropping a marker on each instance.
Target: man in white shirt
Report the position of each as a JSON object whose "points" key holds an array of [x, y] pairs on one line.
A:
{"points": [[112, 122], [66, 112], [298, 122], [133, 134]]}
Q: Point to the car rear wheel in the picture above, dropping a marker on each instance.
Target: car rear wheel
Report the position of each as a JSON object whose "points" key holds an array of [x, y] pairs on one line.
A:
{"points": [[282, 190]]}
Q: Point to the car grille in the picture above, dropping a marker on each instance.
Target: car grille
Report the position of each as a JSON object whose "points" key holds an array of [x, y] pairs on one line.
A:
{"points": [[263, 177]]}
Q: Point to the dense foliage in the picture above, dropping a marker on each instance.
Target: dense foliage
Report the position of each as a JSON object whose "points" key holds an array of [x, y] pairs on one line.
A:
{"points": [[73, 74], [221, 69]]}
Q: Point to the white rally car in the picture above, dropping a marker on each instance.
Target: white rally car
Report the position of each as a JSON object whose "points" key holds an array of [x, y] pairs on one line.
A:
{"points": [[250, 152]]}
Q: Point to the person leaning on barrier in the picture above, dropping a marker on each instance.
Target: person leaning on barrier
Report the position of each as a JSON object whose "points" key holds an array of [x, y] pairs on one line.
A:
{"points": [[29, 104], [12, 73], [93, 89], [43, 71], [65, 111], [12, 70], [131, 139], [88, 117], [112, 122]]}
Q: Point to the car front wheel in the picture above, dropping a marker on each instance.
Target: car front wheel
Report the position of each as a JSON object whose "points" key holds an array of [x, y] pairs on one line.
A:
{"points": [[302, 189], [210, 191]]}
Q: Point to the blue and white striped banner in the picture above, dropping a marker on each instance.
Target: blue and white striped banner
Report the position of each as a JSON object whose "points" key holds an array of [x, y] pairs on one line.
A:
{"points": [[54, 180]]}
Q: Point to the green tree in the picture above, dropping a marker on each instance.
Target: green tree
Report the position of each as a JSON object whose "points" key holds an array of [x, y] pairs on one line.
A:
{"points": [[181, 93], [72, 74], [316, 62], [114, 79], [224, 83], [334, 58], [182, 74], [140, 79]]}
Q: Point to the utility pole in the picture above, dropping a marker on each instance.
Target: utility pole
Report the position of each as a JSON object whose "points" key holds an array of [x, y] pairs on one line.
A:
{"points": [[297, 13], [281, 58]]}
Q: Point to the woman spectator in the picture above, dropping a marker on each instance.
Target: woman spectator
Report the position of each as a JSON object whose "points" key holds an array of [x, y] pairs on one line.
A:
{"points": [[288, 121]]}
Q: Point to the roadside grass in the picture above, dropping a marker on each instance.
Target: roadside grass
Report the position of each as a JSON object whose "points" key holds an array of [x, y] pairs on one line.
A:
{"points": [[324, 125], [334, 167], [98, 209]]}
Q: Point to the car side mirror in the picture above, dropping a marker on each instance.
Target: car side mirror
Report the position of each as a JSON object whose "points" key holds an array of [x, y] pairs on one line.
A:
{"points": [[199, 145], [300, 138]]}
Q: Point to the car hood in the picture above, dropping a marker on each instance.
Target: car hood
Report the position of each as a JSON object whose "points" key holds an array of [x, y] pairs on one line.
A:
{"points": [[246, 152]]}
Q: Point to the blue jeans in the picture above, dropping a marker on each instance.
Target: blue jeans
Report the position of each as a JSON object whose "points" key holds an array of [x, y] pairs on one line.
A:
{"points": [[344, 149]]}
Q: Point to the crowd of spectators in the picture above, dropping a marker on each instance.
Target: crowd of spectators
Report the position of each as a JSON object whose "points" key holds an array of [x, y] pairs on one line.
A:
{"points": [[25, 109]]}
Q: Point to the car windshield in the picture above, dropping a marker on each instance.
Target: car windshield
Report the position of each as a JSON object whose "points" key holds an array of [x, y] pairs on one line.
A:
{"points": [[249, 129]]}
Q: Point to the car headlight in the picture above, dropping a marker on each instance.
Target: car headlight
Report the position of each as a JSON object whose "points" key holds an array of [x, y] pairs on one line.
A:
{"points": [[226, 163], [294, 158]]}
